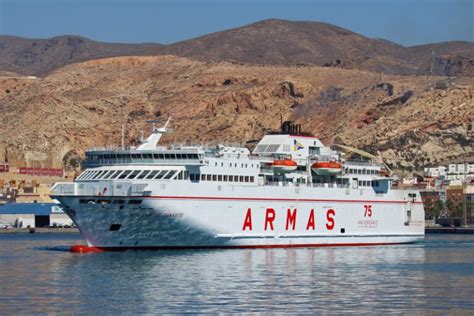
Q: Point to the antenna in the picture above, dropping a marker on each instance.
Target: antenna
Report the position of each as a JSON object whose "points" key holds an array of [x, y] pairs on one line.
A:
{"points": [[123, 137]]}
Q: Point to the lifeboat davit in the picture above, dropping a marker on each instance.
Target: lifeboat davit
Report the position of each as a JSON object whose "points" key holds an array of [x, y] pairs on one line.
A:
{"points": [[326, 168], [284, 166]]}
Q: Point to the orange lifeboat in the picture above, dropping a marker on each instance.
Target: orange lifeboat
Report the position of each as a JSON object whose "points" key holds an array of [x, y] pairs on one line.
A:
{"points": [[284, 166], [326, 168]]}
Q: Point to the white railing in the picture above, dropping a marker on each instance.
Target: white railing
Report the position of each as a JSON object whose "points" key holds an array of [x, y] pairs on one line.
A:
{"points": [[64, 188], [104, 188]]}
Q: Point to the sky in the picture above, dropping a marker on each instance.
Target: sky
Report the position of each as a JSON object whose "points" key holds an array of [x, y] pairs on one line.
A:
{"points": [[406, 22]]}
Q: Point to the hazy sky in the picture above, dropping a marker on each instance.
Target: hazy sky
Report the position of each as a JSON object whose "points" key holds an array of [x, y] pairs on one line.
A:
{"points": [[408, 22]]}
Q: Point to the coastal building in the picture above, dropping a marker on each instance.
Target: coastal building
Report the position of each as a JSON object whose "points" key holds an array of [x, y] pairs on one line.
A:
{"points": [[454, 171], [455, 194], [30, 215], [460, 171], [435, 172], [469, 199]]}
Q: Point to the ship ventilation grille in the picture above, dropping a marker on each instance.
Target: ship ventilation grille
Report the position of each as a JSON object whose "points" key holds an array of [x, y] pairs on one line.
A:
{"points": [[272, 148]]}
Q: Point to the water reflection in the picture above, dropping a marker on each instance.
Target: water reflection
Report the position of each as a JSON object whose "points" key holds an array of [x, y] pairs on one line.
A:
{"points": [[434, 276]]}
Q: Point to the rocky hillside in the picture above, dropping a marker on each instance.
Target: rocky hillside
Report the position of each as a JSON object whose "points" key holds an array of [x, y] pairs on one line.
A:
{"points": [[51, 121], [268, 42], [40, 56]]}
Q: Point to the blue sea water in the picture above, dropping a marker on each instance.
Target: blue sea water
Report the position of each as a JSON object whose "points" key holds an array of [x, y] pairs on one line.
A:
{"points": [[39, 276]]}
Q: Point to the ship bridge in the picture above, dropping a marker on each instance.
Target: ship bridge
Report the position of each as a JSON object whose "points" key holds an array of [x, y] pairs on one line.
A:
{"points": [[97, 158]]}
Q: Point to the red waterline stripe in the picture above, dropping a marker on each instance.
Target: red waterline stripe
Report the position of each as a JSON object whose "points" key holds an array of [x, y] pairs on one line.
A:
{"points": [[267, 199], [99, 249]]}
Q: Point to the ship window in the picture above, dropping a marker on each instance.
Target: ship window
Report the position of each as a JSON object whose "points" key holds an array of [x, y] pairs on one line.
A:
{"points": [[98, 175], [151, 174], [214, 177], [148, 156], [161, 156], [125, 174], [241, 179], [134, 174], [136, 156], [169, 156], [143, 174], [247, 179], [170, 174], [186, 175], [226, 178], [107, 175], [118, 202], [155, 156], [180, 175], [135, 202], [209, 177], [252, 179], [83, 175], [116, 173], [231, 178], [90, 175], [161, 174], [203, 177], [219, 177], [178, 156]]}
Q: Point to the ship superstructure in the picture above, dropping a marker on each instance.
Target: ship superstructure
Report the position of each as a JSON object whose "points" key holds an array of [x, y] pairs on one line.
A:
{"points": [[291, 190]]}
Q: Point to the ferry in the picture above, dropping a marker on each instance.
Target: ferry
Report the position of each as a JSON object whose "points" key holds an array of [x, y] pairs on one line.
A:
{"points": [[289, 191]]}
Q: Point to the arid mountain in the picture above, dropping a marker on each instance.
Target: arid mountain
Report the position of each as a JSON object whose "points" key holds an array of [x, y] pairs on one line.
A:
{"points": [[280, 42], [268, 42], [51, 121], [40, 56], [292, 43]]}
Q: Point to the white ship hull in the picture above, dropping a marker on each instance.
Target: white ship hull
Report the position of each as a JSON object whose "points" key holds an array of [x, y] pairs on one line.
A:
{"points": [[248, 217], [220, 196]]}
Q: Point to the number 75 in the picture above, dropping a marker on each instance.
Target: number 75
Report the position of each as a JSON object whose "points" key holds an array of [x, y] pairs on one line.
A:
{"points": [[367, 210]]}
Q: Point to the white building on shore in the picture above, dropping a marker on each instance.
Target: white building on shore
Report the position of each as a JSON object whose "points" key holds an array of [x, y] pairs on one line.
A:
{"points": [[454, 171]]}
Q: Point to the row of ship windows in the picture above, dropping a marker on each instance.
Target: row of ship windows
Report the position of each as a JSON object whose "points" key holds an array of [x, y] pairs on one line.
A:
{"points": [[360, 171], [142, 156], [221, 178], [367, 183], [160, 174], [126, 174], [242, 165]]}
